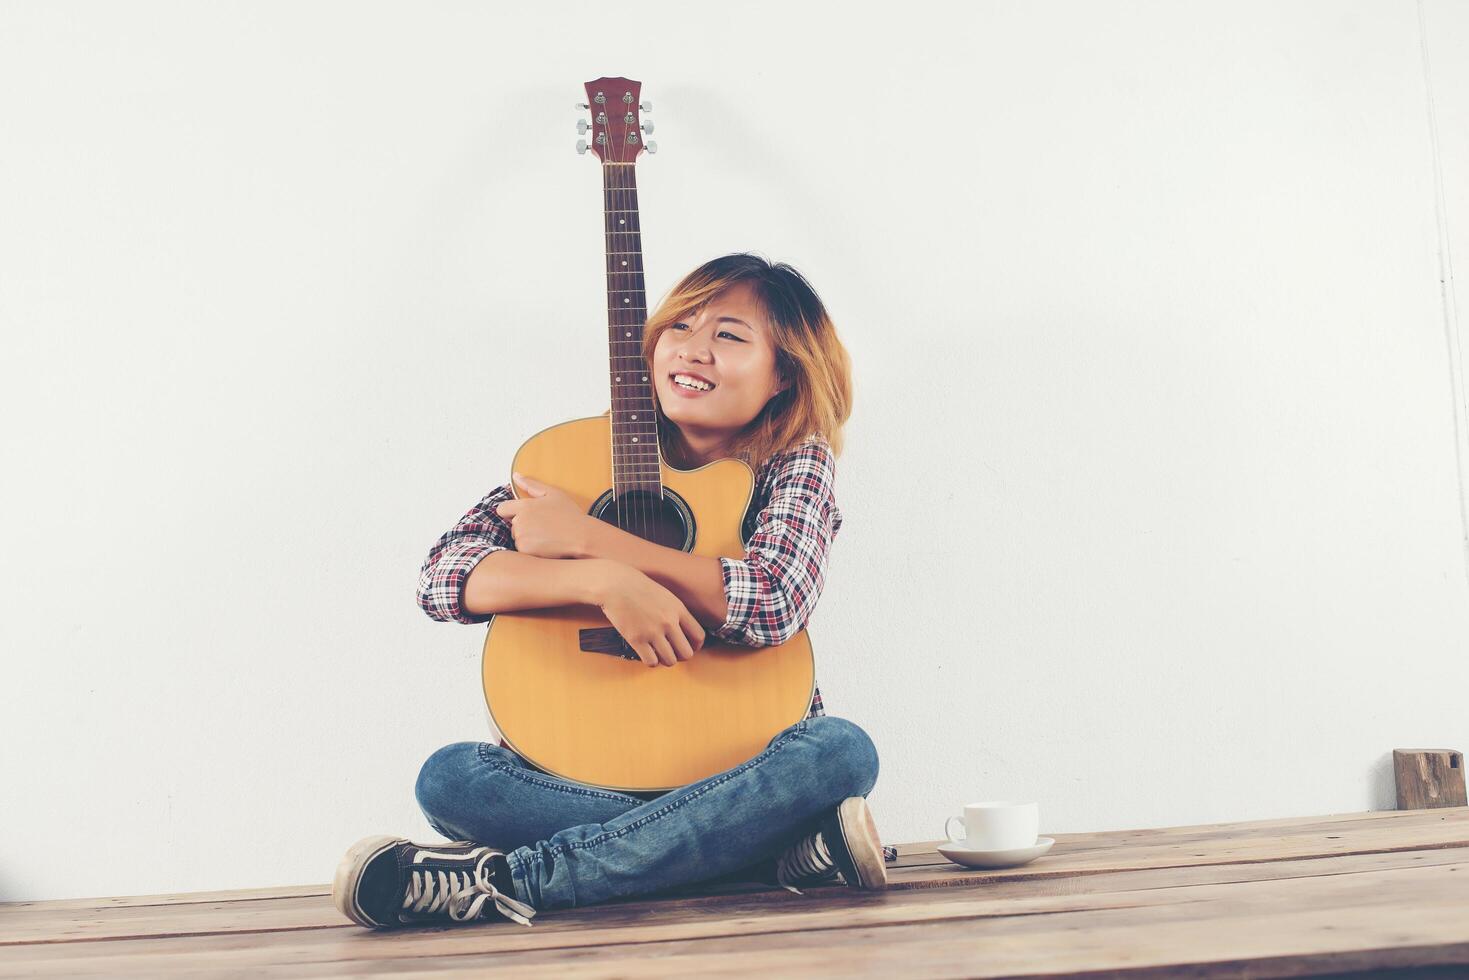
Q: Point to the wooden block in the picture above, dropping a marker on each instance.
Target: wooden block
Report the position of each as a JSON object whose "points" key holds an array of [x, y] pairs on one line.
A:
{"points": [[1428, 778]]}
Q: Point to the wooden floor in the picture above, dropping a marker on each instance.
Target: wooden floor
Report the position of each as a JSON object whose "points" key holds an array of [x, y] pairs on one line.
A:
{"points": [[1292, 897]]}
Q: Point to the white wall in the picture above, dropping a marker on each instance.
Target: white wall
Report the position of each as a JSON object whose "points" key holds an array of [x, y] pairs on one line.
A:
{"points": [[1154, 482]]}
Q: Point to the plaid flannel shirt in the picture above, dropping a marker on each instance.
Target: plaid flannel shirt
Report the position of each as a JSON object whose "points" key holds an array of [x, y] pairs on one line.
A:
{"points": [[788, 530]]}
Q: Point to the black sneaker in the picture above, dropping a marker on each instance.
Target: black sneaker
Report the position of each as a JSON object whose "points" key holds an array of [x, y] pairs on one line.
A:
{"points": [[384, 882], [846, 844]]}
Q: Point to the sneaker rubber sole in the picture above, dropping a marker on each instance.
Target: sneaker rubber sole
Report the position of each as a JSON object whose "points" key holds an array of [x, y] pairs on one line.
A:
{"points": [[349, 876], [859, 835]]}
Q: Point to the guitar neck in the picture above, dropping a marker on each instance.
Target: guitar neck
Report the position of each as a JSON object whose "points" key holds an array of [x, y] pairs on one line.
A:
{"points": [[635, 452], [635, 428]]}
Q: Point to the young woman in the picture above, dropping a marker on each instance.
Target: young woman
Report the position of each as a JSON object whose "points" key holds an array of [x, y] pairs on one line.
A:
{"points": [[746, 364]]}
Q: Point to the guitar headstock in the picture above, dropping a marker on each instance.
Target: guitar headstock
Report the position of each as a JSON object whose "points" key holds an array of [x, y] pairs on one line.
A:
{"points": [[617, 128]]}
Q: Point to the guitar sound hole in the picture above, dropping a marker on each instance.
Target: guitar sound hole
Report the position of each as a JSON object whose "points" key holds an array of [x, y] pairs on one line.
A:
{"points": [[661, 520]]}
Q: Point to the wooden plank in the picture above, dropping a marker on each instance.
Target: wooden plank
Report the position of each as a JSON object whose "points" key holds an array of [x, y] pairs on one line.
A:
{"points": [[1345, 921], [1107, 876], [921, 847], [172, 898], [617, 924], [316, 912], [1245, 947], [909, 854], [1410, 831], [1091, 854], [1343, 825]]}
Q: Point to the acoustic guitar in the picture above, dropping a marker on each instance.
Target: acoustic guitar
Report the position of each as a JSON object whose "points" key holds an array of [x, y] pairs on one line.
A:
{"points": [[564, 688]]}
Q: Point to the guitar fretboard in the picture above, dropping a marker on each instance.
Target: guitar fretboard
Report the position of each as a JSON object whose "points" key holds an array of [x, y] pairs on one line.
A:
{"points": [[634, 422]]}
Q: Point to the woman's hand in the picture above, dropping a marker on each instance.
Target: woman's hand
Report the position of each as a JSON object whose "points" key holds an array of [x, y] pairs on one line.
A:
{"points": [[652, 620], [545, 521]]}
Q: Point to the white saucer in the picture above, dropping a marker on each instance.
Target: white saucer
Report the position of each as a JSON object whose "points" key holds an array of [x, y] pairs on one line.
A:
{"points": [[1006, 858]]}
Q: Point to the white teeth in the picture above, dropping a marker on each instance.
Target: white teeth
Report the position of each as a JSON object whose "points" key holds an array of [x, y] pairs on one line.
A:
{"points": [[694, 383]]}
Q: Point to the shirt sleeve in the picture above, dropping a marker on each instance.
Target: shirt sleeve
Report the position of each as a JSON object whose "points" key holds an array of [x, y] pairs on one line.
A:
{"points": [[478, 533], [772, 591]]}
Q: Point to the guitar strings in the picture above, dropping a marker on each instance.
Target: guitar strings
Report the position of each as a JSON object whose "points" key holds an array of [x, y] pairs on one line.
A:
{"points": [[620, 249], [654, 500], [645, 504], [620, 200], [625, 205], [620, 197], [609, 197]]}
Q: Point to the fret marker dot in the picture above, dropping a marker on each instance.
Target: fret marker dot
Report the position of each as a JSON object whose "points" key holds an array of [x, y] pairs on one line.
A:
{"points": [[624, 261], [627, 299], [619, 377], [634, 438], [622, 221], [628, 334], [645, 377], [634, 418]]}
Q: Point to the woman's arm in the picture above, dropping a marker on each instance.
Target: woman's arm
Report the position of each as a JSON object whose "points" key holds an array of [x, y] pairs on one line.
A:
{"points": [[461, 581], [766, 597], [696, 580], [506, 580], [455, 556]]}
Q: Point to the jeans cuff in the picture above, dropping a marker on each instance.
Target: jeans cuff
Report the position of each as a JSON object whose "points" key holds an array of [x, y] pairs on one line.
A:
{"points": [[519, 879]]}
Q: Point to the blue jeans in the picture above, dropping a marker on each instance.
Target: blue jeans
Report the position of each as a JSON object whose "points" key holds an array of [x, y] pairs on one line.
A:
{"points": [[570, 844]]}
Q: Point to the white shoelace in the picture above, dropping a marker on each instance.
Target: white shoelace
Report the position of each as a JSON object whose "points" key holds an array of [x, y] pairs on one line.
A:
{"points": [[807, 861], [461, 893]]}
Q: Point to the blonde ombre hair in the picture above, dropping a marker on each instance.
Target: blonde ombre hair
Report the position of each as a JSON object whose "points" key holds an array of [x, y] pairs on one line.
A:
{"points": [[808, 354]]}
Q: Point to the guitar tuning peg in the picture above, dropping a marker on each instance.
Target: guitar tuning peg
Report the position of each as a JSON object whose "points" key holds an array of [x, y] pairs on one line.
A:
{"points": [[582, 125], [648, 126], [644, 105], [581, 105], [581, 146], [651, 146]]}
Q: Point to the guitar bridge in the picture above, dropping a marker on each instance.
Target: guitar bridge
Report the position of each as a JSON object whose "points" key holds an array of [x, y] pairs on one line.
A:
{"points": [[606, 639]]}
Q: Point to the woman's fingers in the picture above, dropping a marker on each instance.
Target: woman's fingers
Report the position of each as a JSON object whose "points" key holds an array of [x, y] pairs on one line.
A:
{"points": [[681, 648], [693, 629], [680, 643], [665, 651]]}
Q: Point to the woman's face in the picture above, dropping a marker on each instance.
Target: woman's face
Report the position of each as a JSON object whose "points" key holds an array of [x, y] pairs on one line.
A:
{"points": [[728, 344]]}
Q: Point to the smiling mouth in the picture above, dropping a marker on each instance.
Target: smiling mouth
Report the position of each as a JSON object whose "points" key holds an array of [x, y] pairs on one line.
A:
{"points": [[695, 386]]}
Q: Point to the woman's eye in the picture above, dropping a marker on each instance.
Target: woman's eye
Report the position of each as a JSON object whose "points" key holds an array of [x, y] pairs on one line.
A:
{"points": [[722, 333]]}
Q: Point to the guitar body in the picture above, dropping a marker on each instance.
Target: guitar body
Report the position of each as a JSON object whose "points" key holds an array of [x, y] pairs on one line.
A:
{"points": [[568, 694]]}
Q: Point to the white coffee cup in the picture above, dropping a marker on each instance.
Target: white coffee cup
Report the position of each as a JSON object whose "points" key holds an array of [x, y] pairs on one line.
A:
{"points": [[997, 825]]}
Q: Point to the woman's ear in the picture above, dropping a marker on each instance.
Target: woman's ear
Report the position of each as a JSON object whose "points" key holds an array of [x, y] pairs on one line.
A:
{"points": [[782, 379]]}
